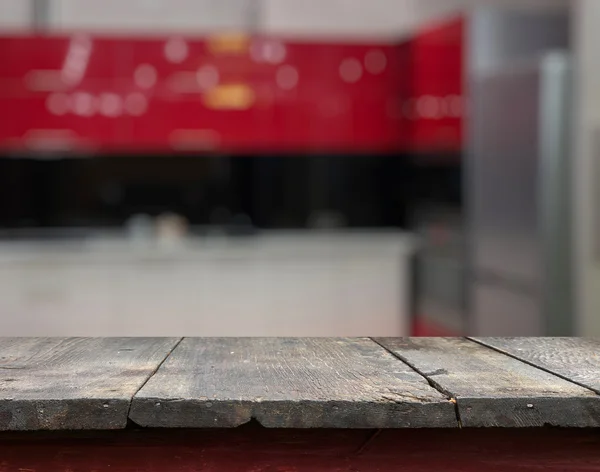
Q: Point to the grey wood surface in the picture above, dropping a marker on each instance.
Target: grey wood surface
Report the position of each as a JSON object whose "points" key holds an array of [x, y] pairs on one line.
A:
{"points": [[492, 389], [74, 383], [100, 383], [288, 382], [575, 359]]}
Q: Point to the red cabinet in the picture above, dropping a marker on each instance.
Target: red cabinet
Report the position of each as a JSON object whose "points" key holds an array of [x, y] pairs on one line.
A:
{"points": [[238, 94], [436, 105]]}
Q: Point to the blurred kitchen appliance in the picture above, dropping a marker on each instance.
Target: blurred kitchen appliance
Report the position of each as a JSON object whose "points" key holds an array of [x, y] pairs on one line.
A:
{"points": [[518, 199], [439, 272], [517, 172], [496, 261]]}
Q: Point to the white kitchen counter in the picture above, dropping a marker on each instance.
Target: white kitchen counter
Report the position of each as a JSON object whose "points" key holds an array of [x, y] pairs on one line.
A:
{"points": [[275, 284]]}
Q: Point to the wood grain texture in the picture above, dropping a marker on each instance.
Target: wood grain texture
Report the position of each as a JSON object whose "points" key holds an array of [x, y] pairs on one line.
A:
{"points": [[288, 383], [74, 383], [493, 389], [575, 359]]}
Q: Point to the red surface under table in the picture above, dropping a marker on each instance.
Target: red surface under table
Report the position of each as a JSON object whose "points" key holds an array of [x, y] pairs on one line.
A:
{"points": [[252, 448]]}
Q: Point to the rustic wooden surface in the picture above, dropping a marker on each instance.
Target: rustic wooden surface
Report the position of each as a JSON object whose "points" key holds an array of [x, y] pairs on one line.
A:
{"points": [[74, 383], [288, 382], [575, 359], [112, 383], [492, 389], [254, 449]]}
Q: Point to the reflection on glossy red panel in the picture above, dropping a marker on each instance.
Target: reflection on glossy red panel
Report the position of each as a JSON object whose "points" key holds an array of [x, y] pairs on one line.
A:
{"points": [[119, 94], [437, 86]]}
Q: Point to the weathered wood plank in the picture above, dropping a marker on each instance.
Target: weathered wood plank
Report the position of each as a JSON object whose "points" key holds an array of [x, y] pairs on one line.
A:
{"points": [[74, 383], [492, 389], [288, 383], [575, 359]]}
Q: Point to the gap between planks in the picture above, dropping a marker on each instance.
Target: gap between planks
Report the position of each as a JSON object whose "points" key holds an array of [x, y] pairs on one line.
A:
{"points": [[129, 420], [430, 381], [532, 364], [435, 385]]}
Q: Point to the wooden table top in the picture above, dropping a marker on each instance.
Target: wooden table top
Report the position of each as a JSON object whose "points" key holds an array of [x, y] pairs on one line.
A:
{"points": [[113, 383]]}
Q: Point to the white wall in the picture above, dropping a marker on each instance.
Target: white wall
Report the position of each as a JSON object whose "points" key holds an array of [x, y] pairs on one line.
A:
{"points": [[303, 18], [189, 16], [339, 17], [15, 14], [587, 164], [373, 18]]}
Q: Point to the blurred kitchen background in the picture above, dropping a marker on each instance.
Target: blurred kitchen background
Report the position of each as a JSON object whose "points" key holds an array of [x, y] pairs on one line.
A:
{"points": [[299, 167]]}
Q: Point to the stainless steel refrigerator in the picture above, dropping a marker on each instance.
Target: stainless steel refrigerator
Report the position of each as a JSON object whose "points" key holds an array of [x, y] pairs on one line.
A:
{"points": [[518, 246]]}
